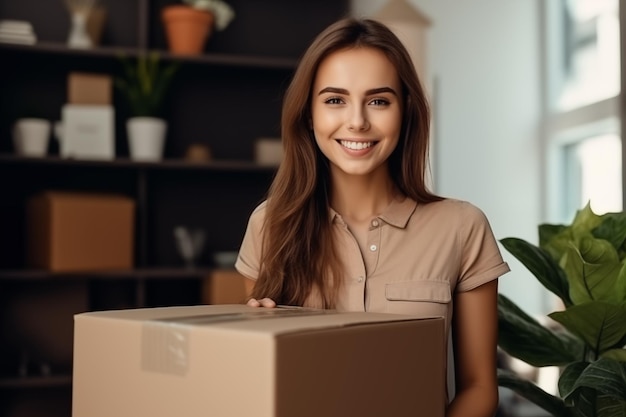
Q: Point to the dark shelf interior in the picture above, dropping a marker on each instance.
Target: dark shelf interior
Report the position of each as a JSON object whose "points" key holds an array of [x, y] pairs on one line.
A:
{"points": [[32, 382], [154, 273], [225, 98], [58, 49]]}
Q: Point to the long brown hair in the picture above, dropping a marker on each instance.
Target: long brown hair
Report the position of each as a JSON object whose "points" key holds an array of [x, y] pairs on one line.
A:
{"points": [[298, 253]]}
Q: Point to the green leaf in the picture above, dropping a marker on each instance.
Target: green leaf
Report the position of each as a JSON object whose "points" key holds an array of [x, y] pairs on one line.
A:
{"points": [[523, 337], [541, 265], [584, 402], [585, 220], [593, 270], [559, 242], [610, 407], [605, 376], [612, 229], [145, 82], [569, 376], [548, 231], [601, 325], [533, 393], [615, 354]]}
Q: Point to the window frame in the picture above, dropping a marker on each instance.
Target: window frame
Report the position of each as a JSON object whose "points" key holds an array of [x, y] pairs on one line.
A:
{"points": [[566, 127]]}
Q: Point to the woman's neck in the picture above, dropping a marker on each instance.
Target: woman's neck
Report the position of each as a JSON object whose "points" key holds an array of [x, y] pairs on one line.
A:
{"points": [[361, 197]]}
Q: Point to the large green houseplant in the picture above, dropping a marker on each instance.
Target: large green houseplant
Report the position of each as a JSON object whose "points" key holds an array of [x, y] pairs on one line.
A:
{"points": [[584, 265]]}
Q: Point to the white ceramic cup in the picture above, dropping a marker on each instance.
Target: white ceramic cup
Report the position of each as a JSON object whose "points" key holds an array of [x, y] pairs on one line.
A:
{"points": [[31, 137]]}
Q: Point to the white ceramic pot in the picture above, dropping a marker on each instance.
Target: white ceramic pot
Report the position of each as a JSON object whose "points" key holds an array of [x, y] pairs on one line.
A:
{"points": [[31, 136], [146, 138]]}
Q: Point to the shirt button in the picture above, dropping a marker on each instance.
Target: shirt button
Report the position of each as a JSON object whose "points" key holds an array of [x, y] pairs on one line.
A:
{"points": [[375, 223], [373, 248], [360, 279]]}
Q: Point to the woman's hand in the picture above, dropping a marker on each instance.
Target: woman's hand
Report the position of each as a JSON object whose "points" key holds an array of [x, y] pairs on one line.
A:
{"points": [[264, 302]]}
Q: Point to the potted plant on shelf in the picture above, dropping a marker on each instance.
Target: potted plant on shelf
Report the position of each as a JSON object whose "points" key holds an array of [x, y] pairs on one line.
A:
{"points": [[189, 25], [144, 84], [584, 264]]}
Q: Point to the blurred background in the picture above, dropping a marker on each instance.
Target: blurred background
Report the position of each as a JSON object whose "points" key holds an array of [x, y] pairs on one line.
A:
{"points": [[527, 121], [526, 125]]}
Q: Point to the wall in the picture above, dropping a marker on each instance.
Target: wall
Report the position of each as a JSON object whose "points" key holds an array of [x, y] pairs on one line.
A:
{"points": [[484, 71]]}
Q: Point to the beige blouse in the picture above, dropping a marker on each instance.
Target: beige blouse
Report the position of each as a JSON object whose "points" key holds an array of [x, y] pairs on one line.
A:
{"points": [[418, 256]]}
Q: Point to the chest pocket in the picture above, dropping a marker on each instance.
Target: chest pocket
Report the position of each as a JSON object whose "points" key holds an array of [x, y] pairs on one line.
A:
{"points": [[423, 298]]}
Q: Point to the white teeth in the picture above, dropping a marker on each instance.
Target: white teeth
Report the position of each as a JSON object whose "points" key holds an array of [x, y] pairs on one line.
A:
{"points": [[355, 145]]}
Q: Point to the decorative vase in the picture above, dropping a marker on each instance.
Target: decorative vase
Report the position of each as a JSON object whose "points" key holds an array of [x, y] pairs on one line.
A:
{"points": [[146, 138], [187, 29], [79, 38]]}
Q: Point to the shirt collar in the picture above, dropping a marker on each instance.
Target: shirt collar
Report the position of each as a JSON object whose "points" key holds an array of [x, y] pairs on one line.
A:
{"points": [[399, 212], [396, 214]]}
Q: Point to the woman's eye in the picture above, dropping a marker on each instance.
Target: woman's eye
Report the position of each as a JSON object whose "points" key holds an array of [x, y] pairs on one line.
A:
{"points": [[333, 100], [379, 102]]}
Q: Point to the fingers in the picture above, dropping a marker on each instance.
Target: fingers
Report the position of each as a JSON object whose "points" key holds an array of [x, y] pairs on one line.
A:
{"points": [[253, 303], [264, 302], [268, 302]]}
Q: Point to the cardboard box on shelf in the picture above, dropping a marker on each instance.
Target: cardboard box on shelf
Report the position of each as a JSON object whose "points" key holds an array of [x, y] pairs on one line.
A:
{"points": [[224, 286], [235, 360], [89, 88], [73, 231]]}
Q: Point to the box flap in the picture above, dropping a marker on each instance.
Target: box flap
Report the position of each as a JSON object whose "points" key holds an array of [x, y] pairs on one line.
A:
{"points": [[239, 317]]}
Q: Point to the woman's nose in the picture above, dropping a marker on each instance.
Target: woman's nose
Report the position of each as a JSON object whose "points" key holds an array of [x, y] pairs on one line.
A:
{"points": [[358, 120]]}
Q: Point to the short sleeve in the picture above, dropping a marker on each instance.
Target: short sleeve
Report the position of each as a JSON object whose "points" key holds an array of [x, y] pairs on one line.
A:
{"points": [[249, 259], [481, 260]]}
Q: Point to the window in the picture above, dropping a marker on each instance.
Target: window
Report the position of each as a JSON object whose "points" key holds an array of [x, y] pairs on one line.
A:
{"points": [[593, 167], [582, 130]]}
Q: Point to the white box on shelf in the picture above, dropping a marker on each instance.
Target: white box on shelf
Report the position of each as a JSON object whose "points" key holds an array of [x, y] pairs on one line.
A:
{"points": [[87, 132]]}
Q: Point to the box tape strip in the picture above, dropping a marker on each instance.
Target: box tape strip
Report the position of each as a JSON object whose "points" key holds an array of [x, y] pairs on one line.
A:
{"points": [[165, 342]]}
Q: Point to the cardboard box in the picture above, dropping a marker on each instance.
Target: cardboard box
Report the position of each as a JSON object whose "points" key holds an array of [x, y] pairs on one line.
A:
{"points": [[235, 360], [89, 88], [69, 231], [224, 286]]}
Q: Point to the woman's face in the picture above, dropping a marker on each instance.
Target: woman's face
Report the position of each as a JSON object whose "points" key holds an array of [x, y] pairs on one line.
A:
{"points": [[357, 110]]}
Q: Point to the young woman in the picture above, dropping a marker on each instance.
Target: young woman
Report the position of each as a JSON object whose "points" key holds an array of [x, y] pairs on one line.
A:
{"points": [[349, 222]]}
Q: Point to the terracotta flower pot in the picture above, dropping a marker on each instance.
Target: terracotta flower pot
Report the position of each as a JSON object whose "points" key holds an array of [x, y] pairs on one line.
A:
{"points": [[187, 29]]}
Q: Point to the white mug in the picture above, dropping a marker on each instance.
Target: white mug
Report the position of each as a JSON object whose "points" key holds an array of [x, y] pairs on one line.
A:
{"points": [[31, 137]]}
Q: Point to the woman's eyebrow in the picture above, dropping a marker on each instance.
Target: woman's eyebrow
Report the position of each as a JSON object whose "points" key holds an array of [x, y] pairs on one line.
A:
{"points": [[343, 91], [334, 90]]}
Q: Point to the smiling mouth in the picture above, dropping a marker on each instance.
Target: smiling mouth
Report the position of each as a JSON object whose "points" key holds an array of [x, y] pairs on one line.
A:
{"points": [[356, 145]]}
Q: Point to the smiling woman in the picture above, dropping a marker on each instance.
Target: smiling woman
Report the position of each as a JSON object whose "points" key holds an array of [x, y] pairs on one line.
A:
{"points": [[349, 222]]}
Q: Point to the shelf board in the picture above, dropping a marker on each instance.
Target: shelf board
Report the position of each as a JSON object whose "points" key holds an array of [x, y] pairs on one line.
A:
{"points": [[36, 382], [165, 164], [153, 273], [231, 60]]}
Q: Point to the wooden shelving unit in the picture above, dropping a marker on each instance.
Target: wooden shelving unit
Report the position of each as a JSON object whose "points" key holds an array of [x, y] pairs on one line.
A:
{"points": [[225, 98]]}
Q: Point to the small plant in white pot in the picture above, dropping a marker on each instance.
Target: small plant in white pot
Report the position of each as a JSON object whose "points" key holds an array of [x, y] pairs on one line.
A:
{"points": [[144, 84]]}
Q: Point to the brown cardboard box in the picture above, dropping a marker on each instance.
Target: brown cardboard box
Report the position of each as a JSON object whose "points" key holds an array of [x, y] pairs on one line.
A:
{"points": [[235, 360], [69, 231], [224, 286], [89, 88]]}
